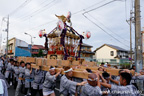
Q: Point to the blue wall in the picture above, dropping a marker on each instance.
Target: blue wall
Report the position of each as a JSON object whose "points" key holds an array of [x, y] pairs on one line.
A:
{"points": [[21, 52]]}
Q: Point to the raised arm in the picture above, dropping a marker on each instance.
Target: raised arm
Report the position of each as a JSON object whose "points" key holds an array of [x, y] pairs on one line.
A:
{"points": [[106, 85], [114, 81]]}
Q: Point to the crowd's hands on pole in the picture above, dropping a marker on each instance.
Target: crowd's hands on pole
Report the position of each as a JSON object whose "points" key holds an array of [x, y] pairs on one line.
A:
{"points": [[82, 83], [137, 74], [84, 71], [126, 70], [97, 74], [104, 69], [59, 72], [110, 76], [30, 70]]}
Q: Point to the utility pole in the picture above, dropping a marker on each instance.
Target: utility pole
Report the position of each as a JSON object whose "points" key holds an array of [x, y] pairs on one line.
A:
{"points": [[131, 36], [138, 39], [6, 19], [7, 36]]}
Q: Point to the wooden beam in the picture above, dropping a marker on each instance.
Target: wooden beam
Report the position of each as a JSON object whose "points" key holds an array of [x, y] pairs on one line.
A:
{"points": [[79, 73], [30, 60], [21, 59], [39, 61], [52, 62]]}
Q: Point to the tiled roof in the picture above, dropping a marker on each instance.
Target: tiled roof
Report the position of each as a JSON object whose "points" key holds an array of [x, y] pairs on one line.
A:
{"points": [[38, 47], [112, 46]]}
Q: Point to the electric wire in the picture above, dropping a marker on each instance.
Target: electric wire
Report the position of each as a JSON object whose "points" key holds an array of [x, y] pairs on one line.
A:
{"points": [[105, 31], [20, 7]]}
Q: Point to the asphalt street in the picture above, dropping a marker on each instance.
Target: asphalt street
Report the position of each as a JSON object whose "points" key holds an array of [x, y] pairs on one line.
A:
{"points": [[11, 92]]}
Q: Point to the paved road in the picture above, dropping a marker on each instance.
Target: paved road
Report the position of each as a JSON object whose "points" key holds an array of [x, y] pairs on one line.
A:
{"points": [[11, 92]]}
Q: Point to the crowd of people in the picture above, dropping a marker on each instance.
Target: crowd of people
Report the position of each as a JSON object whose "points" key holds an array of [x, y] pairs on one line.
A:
{"points": [[28, 81]]}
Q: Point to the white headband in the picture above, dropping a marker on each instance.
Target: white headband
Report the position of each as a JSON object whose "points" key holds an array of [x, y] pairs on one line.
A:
{"points": [[68, 70], [52, 68], [93, 79]]}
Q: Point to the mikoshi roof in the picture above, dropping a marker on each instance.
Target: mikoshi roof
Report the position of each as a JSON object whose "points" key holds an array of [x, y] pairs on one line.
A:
{"points": [[71, 33]]}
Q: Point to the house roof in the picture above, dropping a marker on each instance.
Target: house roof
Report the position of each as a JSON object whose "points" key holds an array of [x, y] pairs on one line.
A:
{"points": [[38, 47], [87, 52], [112, 46], [87, 45]]}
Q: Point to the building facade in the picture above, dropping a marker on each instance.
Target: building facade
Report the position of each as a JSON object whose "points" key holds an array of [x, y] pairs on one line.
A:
{"points": [[38, 51], [17, 47], [86, 52], [112, 54]]}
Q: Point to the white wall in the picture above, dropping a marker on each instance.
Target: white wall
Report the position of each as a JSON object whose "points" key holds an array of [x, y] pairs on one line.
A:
{"points": [[104, 53], [21, 43], [2, 49]]}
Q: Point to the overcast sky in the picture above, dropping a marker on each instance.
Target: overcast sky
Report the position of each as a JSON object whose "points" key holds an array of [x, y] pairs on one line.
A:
{"points": [[34, 15]]}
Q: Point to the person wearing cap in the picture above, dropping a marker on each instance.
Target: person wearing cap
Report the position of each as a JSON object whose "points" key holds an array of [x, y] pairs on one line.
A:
{"points": [[21, 79], [49, 83], [68, 84], [9, 73], [126, 89], [29, 78], [38, 81], [92, 88]]}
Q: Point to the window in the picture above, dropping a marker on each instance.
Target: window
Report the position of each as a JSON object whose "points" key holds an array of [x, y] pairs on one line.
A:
{"points": [[112, 53], [34, 50]]}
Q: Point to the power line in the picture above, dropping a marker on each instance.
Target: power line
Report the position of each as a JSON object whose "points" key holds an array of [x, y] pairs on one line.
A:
{"points": [[88, 7], [20, 7], [108, 28], [104, 30], [100, 6], [77, 11], [125, 9], [37, 26], [37, 11], [72, 13], [35, 7], [41, 25]]}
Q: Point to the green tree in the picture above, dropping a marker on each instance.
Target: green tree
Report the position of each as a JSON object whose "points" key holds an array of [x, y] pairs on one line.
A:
{"points": [[40, 54]]}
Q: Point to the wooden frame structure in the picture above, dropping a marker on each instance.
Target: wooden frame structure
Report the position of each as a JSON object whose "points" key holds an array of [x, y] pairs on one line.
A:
{"points": [[79, 72]]}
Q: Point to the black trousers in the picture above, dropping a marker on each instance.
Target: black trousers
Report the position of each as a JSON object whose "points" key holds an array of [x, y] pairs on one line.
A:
{"points": [[26, 91], [35, 91], [9, 79], [15, 82]]}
